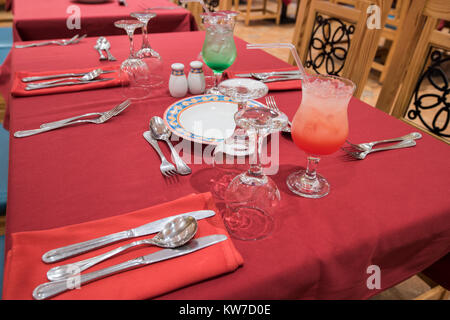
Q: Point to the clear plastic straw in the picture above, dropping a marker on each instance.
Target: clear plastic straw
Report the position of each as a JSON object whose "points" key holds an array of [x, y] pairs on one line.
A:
{"points": [[281, 45], [201, 2]]}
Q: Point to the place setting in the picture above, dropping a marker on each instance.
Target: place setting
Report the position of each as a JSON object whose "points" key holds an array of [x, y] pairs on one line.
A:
{"points": [[177, 241]]}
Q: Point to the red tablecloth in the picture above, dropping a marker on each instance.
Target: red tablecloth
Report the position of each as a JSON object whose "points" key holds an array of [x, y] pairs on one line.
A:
{"points": [[49, 19], [390, 210]]}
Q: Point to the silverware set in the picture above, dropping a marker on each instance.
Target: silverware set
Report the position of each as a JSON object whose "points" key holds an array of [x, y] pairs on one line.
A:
{"points": [[274, 76], [104, 44], [102, 117], [159, 131], [63, 42], [175, 234], [360, 151], [64, 79]]}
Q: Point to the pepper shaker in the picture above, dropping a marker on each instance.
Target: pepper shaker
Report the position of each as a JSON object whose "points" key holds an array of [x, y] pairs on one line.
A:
{"points": [[178, 85], [196, 78]]}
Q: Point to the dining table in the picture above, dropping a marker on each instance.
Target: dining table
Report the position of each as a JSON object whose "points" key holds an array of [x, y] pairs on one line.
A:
{"points": [[389, 211], [54, 19]]}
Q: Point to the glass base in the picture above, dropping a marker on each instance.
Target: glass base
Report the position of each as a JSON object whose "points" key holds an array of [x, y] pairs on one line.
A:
{"points": [[213, 90], [304, 186]]}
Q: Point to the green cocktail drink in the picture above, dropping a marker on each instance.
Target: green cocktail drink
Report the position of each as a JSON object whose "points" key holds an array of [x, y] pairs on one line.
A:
{"points": [[219, 49]]}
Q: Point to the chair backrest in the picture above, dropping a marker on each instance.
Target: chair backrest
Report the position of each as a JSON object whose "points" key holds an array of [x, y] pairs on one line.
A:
{"points": [[334, 38], [423, 74]]}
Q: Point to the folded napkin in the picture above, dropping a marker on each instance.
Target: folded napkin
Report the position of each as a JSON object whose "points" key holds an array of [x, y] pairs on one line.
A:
{"points": [[18, 86], [24, 269], [273, 86]]}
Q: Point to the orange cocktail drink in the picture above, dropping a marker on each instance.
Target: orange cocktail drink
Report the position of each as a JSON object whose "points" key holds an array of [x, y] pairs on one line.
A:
{"points": [[319, 127]]}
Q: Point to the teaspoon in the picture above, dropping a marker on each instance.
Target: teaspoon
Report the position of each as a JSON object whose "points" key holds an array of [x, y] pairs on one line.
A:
{"points": [[174, 234]]}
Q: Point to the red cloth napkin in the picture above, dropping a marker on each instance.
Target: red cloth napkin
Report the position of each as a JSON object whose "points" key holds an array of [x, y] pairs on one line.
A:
{"points": [[24, 269], [273, 86], [18, 86]]}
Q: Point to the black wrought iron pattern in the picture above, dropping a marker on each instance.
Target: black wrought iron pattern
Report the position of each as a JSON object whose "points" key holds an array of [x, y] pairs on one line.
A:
{"points": [[432, 92], [212, 4], [329, 45]]}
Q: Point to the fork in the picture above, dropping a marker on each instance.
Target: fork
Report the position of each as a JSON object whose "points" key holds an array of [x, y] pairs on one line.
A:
{"points": [[103, 118], [367, 146], [64, 42], [114, 111], [166, 168], [270, 101], [362, 154]]}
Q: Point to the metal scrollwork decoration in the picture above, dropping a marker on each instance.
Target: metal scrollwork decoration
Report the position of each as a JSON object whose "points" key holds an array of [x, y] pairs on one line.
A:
{"points": [[330, 41], [211, 4], [434, 79]]}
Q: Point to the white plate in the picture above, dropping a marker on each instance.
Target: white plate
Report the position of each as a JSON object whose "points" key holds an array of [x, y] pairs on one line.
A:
{"points": [[207, 119]]}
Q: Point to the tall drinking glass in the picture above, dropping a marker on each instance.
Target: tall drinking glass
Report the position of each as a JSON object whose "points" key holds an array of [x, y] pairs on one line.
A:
{"points": [[251, 195], [319, 127], [219, 49]]}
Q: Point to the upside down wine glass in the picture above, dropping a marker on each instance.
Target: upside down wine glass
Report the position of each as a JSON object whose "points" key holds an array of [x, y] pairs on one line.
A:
{"points": [[134, 72], [219, 49], [319, 127], [147, 53], [251, 195]]}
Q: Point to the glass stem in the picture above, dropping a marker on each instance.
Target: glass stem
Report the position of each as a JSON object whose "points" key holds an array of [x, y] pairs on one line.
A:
{"points": [[313, 162], [217, 78], [130, 37], [145, 43], [255, 165]]}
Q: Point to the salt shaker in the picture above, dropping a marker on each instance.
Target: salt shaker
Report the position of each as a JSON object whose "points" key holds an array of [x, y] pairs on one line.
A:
{"points": [[178, 85], [196, 78]]}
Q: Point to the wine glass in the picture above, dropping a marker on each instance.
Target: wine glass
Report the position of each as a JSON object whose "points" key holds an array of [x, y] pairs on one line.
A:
{"points": [[219, 49], [134, 72], [147, 53], [319, 127], [251, 196]]}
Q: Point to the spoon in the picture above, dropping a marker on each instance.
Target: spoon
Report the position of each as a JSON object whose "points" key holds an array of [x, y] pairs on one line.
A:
{"points": [[106, 45], [91, 75], [174, 234], [159, 131]]}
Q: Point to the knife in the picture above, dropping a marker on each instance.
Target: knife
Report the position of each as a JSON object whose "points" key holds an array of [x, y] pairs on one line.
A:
{"points": [[146, 229], [282, 79], [50, 289], [61, 84]]}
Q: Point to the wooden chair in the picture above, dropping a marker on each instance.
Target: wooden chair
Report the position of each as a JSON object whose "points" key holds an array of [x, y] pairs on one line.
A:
{"points": [[419, 65], [334, 38], [389, 32], [262, 12]]}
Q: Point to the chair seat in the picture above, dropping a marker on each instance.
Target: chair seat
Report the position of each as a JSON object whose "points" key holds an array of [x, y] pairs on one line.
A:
{"points": [[2, 261], [6, 42]]}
